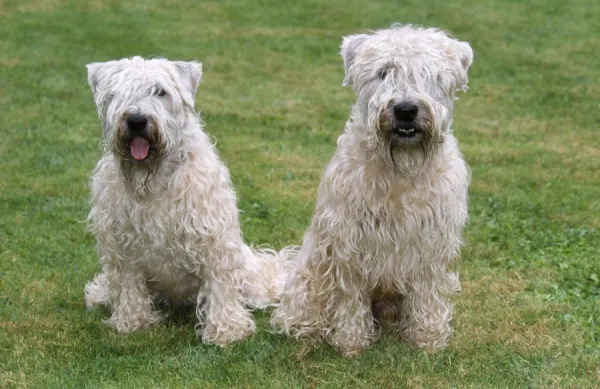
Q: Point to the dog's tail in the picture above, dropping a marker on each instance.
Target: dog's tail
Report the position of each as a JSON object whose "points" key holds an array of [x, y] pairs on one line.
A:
{"points": [[96, 291], [264, 277]]}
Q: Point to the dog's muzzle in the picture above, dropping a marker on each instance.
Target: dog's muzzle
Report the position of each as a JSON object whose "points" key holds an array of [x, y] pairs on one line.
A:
{"points": [[404, 124], [138, 136]]}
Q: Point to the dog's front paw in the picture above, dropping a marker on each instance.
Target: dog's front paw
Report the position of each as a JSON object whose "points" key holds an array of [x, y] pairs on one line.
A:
{"points": [[430, 338], [222, 333], [351, 342], [96, 291], [430, 332], [132, 322]]}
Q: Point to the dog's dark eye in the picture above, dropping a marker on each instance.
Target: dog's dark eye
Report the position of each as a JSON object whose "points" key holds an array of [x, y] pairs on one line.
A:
{"points": [[160, 92], [382, 74]]}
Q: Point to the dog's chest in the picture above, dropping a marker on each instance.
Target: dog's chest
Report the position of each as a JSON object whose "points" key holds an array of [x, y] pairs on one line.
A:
{"points": [[398, 221], [401, 222], [398, 205], [155, 223], [156, 233], [162, 248]]}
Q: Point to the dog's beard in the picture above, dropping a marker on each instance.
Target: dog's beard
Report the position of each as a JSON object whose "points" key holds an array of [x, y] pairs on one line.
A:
{"points": [[409, 156], [140, 174], [410, 161]]}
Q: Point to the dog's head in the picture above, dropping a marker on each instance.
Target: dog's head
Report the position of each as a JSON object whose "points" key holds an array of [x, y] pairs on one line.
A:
{"points": [[406, 79], [143, 105]]}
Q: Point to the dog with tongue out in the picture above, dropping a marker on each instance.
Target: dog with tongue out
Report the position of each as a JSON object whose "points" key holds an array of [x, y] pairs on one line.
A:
{"points": [[163, 209], [139, 144]]}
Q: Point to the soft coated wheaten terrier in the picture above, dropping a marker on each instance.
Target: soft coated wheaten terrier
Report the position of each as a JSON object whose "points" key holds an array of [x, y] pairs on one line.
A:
{"points": [[163, 209], [392, 203]]}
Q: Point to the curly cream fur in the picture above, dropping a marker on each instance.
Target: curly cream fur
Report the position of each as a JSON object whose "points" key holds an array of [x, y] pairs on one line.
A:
{"points": [[168, 226], [389, 211]]}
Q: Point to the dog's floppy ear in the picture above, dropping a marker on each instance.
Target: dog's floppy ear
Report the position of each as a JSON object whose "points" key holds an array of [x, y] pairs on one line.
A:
{"points": [[99, 73], [191, 74], [350, 46], [95, 71], [464, 54]]}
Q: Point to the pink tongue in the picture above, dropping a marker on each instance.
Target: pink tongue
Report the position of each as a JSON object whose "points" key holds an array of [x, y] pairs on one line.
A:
{"points": [[139, 148]]}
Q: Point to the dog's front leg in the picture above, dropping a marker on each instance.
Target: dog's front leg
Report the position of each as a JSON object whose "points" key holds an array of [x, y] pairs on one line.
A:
{"points": [[426, 312], [220, 310], [129, 298], [349, 306]]}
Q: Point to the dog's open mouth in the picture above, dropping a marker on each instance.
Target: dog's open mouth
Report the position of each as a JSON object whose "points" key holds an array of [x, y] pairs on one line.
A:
{"points": [[139, 148], [406, 132]]}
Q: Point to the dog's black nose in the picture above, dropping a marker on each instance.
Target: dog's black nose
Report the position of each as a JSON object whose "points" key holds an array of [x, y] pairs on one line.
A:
{"points": [[406, 111], [137, 123]]}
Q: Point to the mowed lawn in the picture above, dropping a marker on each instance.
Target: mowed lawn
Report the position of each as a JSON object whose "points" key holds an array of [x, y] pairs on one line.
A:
{"points": [[272, 97]]}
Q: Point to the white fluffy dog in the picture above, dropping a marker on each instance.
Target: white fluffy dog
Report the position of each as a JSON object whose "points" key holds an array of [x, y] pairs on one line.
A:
{"points": [[392, 202], [163, 209]]}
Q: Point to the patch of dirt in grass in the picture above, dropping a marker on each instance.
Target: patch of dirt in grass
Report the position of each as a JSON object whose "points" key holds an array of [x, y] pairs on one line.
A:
{"points": [[501, 311]]}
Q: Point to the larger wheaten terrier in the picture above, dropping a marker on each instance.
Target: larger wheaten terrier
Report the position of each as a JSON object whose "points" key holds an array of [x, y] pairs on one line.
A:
{"points": [[163, 209], [393, 201]]}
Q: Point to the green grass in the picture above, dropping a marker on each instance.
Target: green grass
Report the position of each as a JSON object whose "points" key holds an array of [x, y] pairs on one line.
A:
{"points": [[528, 315]]}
